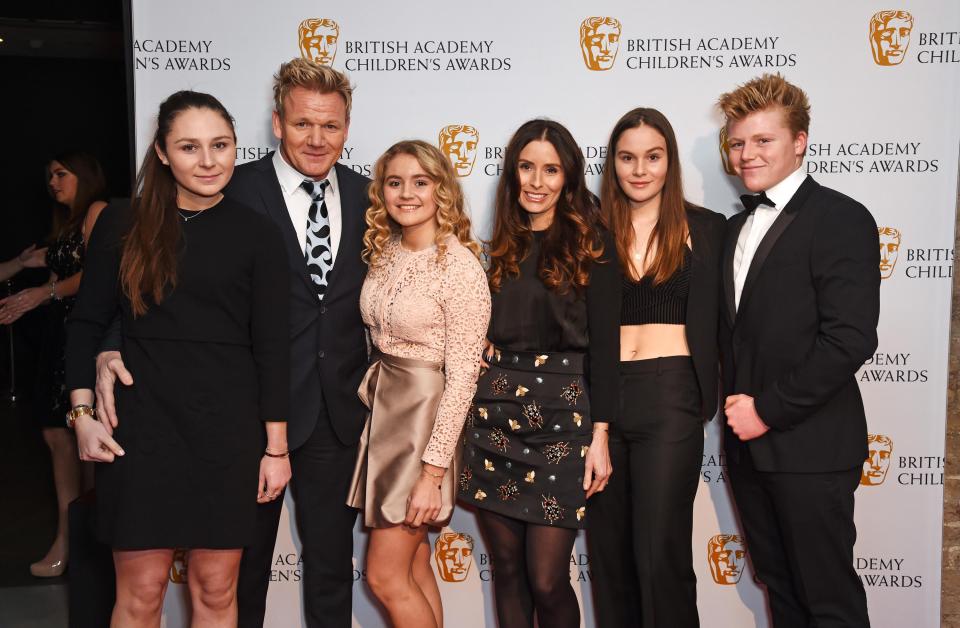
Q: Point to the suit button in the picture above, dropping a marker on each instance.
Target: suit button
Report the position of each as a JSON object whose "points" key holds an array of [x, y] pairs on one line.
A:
{"points": [[323, 309], [320, 354]]}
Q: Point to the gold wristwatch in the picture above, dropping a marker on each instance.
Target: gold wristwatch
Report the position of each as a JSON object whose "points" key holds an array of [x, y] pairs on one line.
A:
{"points": [[76, 412]]}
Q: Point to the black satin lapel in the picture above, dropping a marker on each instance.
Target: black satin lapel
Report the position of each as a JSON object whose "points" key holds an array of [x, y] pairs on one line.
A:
{"points": [[698, 270], [729, 248], [763, 250], [779, 225], [272, 197]]}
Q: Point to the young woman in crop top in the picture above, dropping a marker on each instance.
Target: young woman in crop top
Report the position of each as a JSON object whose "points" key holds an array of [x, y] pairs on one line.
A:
{"points": [[669, 251]]}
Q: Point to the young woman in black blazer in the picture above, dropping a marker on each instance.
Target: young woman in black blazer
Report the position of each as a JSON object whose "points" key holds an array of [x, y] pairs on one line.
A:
{"points": [[669, 251]]}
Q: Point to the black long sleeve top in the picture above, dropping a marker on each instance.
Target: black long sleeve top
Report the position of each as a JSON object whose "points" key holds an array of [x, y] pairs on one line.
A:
{"points": [[231, 288], [527, 316]]}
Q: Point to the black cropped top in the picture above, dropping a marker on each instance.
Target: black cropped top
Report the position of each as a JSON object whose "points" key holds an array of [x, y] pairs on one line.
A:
{"points": [[644, 303]]}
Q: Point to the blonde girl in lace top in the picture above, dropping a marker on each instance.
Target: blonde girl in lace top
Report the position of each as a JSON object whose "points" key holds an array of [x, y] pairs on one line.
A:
{"points": [[426, 302]]}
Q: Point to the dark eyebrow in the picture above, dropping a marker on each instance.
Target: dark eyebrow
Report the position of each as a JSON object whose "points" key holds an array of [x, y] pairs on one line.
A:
{"points": [[196, 141]]}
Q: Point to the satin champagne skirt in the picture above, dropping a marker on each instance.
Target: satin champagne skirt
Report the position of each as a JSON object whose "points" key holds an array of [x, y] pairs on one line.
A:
{"points": [[403, 395]]}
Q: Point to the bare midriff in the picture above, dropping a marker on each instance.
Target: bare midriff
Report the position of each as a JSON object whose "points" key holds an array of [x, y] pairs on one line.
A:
{"points": [[644, 342]]}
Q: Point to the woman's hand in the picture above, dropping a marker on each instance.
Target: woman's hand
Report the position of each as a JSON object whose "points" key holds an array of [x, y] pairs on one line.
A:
{"points": [[425, 500], [93, 441], [16, 305], [274, 476], [597, 468], [32, 257], [486, 354]]}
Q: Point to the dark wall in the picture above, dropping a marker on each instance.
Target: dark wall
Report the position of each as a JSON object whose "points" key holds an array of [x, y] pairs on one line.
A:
{"points": [[52, 105], [54, 101]]}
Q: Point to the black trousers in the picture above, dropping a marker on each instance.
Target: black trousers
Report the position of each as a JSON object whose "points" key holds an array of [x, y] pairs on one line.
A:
{"points": [[799, 534], [639, 529], [322, 469]]}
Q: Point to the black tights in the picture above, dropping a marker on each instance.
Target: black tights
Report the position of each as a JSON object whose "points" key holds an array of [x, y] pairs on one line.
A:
{"points": [[531, 572]]}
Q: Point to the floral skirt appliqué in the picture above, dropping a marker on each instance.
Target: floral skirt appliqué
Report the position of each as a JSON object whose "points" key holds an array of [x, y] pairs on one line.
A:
{"points": [[526, 438]]}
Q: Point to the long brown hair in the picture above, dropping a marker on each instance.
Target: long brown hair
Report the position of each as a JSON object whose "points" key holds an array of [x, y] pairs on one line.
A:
{"points": [[671, 231], [570, 244], [91, 187], [148, 266], [452, 218]]}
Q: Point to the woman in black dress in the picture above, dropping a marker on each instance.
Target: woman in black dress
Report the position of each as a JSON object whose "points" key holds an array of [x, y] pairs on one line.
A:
{"points": [[536, 439], [198, 280], [77, 184], [669, 250]]}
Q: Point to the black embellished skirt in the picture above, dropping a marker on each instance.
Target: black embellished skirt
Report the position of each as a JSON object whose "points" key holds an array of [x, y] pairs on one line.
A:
{"points": [[526, 439]]}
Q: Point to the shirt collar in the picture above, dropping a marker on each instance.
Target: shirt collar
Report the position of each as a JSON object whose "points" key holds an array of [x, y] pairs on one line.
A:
{"points": [[782, 192], [290, 178]]}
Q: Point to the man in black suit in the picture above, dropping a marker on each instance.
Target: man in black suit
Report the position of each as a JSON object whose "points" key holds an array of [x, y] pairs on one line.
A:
{"points": [[802, 290], [319, 206]]}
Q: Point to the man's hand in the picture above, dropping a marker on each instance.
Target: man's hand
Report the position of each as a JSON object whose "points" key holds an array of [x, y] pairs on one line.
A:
{"points": [[743, 419], [110, 368]]}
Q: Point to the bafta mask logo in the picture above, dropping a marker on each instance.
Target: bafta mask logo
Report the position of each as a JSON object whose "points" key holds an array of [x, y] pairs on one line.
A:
{"points": [[875, 467], [889, 250], [725, 152], [178, 570], [459, 143], [318, 40], [454, 555], [599, 42], [890, 36], [727, 557]]}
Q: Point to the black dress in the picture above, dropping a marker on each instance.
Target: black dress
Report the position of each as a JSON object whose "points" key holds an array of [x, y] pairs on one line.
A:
{"points": [[65, 259], [208, 363], [555, 369]]}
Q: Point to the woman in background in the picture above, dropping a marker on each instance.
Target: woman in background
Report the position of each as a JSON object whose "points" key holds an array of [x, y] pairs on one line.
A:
{"points": [[536, 446], [76, 182], [669, 251], [426, 302], [204, 335]]}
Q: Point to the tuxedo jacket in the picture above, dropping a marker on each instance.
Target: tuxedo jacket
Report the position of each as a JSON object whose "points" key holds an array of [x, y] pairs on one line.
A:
{"points": [[807, 321], [328, 347]]}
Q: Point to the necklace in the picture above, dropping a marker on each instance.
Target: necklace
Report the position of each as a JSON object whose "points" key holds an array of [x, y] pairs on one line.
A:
{"points": [[189, 218]]}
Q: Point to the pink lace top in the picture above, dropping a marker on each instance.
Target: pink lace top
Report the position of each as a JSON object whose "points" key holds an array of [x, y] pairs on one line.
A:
{"points": [[422, 308]]}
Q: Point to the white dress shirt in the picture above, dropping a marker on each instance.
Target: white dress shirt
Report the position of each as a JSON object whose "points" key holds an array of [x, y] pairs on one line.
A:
{"points": [[758, 223], [298, 201]]}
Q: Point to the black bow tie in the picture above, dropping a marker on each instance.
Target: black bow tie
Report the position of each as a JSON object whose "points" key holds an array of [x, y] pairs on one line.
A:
{"points": [[752, 201]]}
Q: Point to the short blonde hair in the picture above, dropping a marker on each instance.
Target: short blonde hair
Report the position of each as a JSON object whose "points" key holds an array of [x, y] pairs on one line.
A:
{"points": [[451, 217], [764, 92], [310, 75]]}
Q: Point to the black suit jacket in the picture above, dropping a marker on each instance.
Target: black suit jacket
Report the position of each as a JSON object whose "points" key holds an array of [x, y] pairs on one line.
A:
{"points": [[807, 321], [328, 347], [703, 303]]}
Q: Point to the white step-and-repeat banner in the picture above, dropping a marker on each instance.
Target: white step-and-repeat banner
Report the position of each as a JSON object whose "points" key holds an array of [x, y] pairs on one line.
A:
{"points": [[884, 82]]}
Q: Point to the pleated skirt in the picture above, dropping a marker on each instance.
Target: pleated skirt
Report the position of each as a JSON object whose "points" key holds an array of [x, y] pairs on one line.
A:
{"points": [[403, 395]]}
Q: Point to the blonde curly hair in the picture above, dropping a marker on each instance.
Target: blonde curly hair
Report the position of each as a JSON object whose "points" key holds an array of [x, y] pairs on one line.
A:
{"points": [[451, 217]]}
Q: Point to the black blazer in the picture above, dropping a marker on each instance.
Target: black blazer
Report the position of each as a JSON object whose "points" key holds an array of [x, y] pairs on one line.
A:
{"points": [[703, 304], [328, 347], [807, 321]]}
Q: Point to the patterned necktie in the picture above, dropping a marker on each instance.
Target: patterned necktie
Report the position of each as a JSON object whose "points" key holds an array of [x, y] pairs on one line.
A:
{"points": [[317, 251]]}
